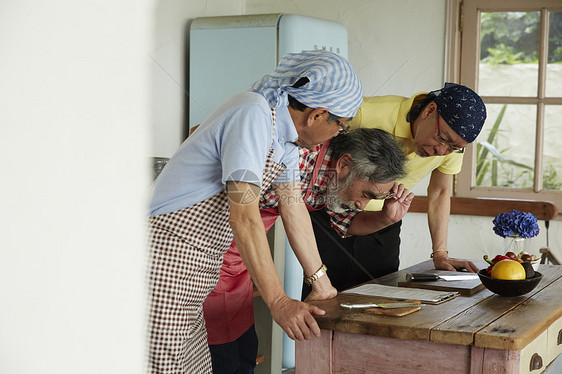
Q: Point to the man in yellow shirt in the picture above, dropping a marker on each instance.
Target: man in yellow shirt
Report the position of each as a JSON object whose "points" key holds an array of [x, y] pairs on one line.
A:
{"points": [[433, 130]]}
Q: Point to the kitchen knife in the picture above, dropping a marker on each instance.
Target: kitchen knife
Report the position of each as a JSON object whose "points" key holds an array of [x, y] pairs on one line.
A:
{"points": [[383, 306], [433, 277]]}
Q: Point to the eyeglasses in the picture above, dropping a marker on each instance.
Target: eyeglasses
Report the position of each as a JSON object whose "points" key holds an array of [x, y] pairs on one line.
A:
{"points": [[443, 141], [384, 195], [344, 127]]}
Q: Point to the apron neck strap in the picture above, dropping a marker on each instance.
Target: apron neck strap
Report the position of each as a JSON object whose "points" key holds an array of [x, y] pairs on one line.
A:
{"points": [[317, 166]]}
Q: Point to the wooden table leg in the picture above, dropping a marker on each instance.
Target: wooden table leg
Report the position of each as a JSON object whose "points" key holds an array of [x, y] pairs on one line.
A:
{"points": [[314, 356], [497, 361]]}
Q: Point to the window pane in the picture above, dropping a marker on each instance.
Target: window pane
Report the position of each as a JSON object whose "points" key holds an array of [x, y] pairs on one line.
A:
{"points": [[506, 147], [509, 46], [554, 63], [552, 162]]}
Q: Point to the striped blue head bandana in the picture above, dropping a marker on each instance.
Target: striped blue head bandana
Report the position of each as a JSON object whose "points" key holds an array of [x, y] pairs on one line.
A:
{"points": [[462, 109], [333, 83]]}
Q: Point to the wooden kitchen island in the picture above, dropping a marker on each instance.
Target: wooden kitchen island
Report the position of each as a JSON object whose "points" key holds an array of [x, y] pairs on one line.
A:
{"points": [[481, 333]]}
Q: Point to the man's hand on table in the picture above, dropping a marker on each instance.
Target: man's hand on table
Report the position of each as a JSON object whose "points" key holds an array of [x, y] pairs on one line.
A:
{"points": [[322, 289], [295, 317], [443, 262]]}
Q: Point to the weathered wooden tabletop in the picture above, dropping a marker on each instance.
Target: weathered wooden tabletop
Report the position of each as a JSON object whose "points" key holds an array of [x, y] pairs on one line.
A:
{"points": [[483, 319]]}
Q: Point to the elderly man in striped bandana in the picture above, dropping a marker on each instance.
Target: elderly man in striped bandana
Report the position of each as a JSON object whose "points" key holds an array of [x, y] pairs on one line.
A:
{"points": [[208, 194]]}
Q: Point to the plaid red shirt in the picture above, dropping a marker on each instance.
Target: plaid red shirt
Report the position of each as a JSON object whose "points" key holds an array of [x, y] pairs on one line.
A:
{"points": [[317, 198]]}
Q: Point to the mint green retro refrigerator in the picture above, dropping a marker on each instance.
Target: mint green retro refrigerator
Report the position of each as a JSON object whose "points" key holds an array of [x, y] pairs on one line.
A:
{"points": [[226, 55]]}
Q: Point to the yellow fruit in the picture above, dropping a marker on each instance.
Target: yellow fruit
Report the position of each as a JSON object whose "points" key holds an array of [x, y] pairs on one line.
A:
{"points": [[508, 270]]}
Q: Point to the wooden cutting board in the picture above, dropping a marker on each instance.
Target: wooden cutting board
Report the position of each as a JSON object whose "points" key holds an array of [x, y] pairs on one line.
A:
{"points": [[464, 287]]}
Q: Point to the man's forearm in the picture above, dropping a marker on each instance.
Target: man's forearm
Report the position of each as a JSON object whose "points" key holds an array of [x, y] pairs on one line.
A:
{"points": [[438, 212], [249, 235], [254, 249], [296, 221], [438, 220], [393, 210], [366, 223], [298, 227]]}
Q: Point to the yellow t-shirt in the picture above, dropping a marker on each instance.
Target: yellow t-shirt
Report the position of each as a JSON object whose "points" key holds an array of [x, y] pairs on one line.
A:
{"points": [[388, 113]]}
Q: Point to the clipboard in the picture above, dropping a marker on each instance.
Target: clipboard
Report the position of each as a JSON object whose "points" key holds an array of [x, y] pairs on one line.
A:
{"points": [[402, 293]]}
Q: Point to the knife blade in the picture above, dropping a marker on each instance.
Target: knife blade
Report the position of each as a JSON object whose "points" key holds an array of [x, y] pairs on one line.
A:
{"points": [[383, 306], [433, 277]]}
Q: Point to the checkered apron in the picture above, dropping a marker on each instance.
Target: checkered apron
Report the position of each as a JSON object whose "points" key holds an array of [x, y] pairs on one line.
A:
{"points": [[186, 249]]}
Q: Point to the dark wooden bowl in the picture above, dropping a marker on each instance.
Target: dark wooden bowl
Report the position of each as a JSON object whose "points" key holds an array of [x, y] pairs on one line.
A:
{"points": [[509, 287]]}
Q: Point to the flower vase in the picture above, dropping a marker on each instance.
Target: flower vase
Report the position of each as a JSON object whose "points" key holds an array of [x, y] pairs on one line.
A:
{"points": [[515, 244]]}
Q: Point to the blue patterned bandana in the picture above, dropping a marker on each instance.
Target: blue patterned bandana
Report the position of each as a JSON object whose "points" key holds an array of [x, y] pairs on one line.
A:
{"points": [[333, 83], [462, 109]]}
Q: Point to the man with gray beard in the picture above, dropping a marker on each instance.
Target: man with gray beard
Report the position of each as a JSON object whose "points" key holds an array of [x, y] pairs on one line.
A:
{"points": [[344, 174], [337, 188], [339, 176]]}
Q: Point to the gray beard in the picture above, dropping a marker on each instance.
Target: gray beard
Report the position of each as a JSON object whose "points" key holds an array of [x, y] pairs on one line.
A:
{"points": [[334, 189]]}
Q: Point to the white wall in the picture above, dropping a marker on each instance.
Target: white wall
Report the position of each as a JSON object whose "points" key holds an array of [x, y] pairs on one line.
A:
{"points": [[396, 46], [169, 54], [469, 237], [74, 144]]}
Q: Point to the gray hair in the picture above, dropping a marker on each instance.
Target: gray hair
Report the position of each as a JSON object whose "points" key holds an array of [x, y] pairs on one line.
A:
{"points": [[374, 152]]}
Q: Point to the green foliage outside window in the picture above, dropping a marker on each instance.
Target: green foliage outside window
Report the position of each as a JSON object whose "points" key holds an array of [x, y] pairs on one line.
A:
{"points": [[503, 172], [513, 37]]}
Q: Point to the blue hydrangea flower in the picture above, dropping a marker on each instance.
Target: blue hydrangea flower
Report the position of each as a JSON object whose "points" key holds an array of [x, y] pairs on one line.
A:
{"points": [[516, 223]]}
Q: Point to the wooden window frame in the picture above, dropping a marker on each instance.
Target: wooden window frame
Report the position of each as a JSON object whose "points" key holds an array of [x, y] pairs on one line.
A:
{"points": [[463, 55]]}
